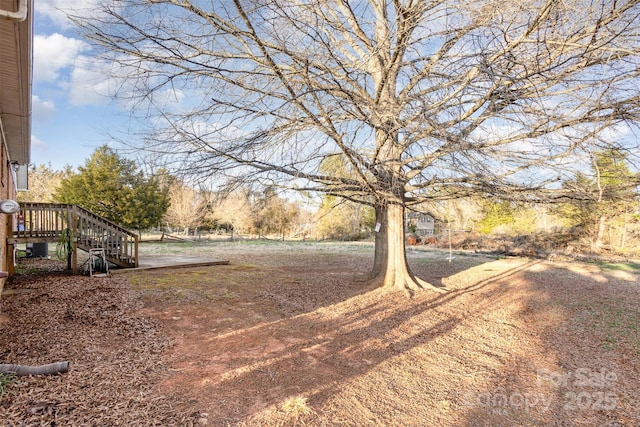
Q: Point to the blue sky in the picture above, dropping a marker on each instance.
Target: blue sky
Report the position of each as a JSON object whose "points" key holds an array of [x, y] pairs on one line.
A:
{"points": [[71, 117]]}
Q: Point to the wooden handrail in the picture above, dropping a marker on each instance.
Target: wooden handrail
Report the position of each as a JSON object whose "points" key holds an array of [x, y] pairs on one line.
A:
{"points": [[48, 221]]}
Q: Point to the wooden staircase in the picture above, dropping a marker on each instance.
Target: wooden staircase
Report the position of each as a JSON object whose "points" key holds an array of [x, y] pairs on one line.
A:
{"points": [[48, 222]]}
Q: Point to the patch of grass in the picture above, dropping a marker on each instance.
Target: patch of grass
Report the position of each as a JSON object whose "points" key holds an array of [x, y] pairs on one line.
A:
{"points": [[619, 326], [26, 270], [186, 277], [616, 326], [227, 294], [296, 407], [250, 245], [193, 286], [631, 267], [241, 267], [5, 381], [610, 342]]}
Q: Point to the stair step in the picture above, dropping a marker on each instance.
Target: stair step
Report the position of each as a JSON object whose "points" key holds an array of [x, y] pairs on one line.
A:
{"points": [[91, 231]]}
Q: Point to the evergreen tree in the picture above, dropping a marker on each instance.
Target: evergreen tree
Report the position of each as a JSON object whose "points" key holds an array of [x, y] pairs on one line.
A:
{"points": [[112, 187]]}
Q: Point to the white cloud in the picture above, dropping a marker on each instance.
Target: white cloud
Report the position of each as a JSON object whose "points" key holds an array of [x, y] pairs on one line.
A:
{"points": [[169, 99], [38, 144], [43, 110], [54, 53], [59, 60], [90, 83], [56, 10], [94, 81]]}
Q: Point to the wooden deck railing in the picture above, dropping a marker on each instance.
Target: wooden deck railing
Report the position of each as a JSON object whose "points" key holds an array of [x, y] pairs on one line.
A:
{"points": [[46, 222]]}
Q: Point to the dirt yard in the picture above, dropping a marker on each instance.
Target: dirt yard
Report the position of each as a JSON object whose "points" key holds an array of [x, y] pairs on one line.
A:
{"points": [[284, 337]]}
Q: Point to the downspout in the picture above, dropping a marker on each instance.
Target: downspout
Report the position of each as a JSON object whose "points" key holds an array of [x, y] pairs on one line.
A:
{"points": [[17, 16]]}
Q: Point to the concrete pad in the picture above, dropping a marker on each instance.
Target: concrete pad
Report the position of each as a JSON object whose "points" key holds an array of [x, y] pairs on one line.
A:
{"points": [[170, 261]]}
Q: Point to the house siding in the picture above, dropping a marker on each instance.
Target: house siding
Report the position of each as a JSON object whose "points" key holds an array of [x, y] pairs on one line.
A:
{"points": [[7, 191], [424, 224]]}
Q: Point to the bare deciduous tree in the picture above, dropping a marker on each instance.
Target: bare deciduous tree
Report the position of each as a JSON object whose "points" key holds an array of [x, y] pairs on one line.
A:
{"points": [[43, 182], [187, 207], [235, 210], [422, 99]]}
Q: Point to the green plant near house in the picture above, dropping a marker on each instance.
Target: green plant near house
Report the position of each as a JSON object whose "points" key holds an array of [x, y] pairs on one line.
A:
{"points": [[5, 381], [64, 246]]}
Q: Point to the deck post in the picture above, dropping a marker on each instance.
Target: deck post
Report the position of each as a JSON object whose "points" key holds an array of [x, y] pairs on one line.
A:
{"points": [[135, 249], [10, 259], [74, 258]]}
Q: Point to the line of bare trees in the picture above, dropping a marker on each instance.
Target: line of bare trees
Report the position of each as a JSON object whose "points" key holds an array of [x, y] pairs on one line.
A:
{"points": [[603, 212]]}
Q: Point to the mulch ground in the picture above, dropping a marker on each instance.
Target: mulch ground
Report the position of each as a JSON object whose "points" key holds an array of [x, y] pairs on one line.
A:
{"points": [[116, 354]]}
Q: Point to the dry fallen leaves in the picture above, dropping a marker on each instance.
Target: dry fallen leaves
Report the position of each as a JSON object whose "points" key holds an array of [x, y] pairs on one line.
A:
{"points": [[115, 354]]}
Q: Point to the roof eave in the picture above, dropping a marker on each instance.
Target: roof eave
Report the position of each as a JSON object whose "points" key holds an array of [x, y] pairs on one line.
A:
{"points": [[16, 80]]}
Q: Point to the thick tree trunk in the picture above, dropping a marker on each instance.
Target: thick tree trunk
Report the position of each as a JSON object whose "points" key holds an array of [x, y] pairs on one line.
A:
{"points": [[390, 267]]}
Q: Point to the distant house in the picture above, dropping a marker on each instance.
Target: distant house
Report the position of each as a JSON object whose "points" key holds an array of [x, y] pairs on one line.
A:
{"points": [[16, 52], [420, 224]]}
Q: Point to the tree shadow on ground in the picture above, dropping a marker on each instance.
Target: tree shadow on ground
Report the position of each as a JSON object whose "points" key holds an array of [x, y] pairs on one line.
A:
{"points": [[325, 351], [577, 364]]}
